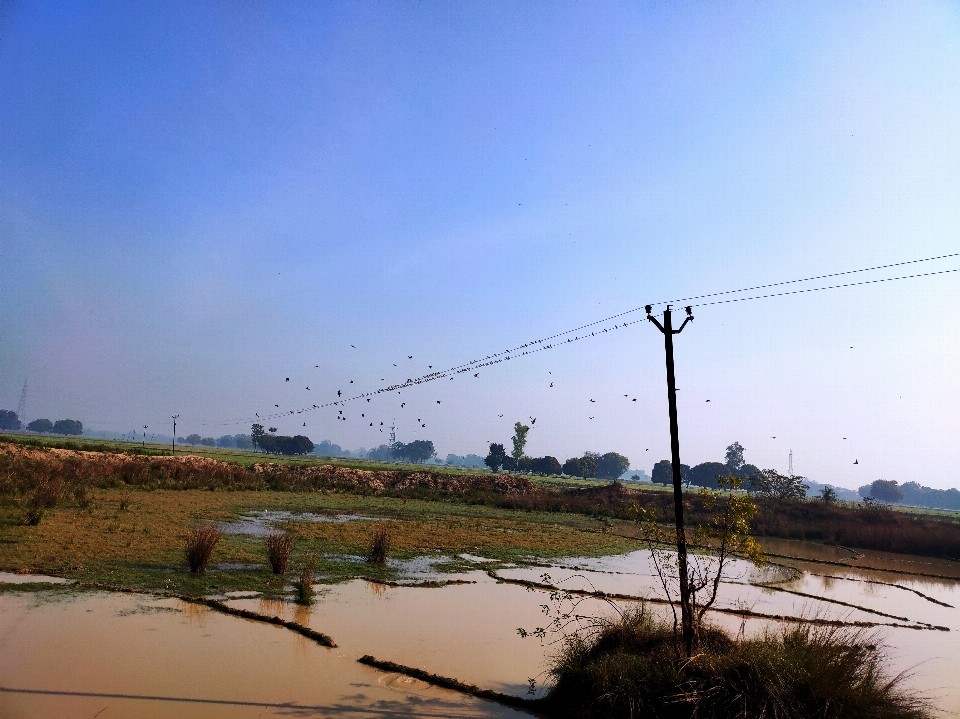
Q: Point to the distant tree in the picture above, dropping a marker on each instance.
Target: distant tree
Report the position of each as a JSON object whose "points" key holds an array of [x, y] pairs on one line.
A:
{"points": [[68, 426], [418, 451], [298, 444], [546, 466], [242, 441], [40, 425], [886, 490], [773, 484], [383, 453], [9, 420], [327, 448], [256, 433], [495, 457], [663, 472], [612, 465], [588, 465], [828, 495], [208, 442], [734, 458], [227, 440], [519, 440], [707, 474], [510, 464], [194, 439]]}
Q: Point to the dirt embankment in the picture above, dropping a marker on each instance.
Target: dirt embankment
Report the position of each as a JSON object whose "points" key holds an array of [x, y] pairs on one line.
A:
{"points": [[23, 468]]}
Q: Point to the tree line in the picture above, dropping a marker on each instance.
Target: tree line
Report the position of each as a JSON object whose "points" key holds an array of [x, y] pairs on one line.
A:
{"points": [[592, 464], [271, 443], [10, 421]]}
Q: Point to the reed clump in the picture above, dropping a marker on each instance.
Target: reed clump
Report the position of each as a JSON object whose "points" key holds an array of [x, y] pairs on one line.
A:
{"points": [[304, 586], [200, 545], [279, 545], [633, 668], [81, 493], [379, 546]]}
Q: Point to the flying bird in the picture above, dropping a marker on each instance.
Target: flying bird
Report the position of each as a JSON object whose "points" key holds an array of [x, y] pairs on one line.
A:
{"points": [[371, 424], [708, 400], [499, 415], [533, 420], [409, 356], [368, 399], [258, 414], [402, 405], [438, 401], [338, 393], [351, 381], [634, 399], [304, 424], [308, 388], [354, 346], [589, 417], [430, 366], [477, 374], [856, 461], [593, 400], [288, 379], [551, 384], [276, 405]]}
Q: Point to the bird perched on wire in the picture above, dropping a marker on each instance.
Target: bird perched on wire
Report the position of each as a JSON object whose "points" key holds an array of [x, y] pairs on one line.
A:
{"points": [[593, 400], [338, 393], [551, 384], [288, 379], [438, 401], [856, 461], [308, 388]]}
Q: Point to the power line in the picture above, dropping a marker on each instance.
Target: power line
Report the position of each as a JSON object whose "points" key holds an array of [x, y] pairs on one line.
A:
{"points": [[546, 343]]}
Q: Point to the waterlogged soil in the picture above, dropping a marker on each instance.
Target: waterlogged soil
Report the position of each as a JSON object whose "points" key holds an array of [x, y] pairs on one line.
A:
{"points": [[138, 647], [124, 655]]}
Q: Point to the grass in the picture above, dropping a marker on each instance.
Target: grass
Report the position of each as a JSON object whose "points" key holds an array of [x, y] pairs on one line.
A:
{"points": [[200, 545], [304, 586], [379, 546], [279, 546], [630, 668]]}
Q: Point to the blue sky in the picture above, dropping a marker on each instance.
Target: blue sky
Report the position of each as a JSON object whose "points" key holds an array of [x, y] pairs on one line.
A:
{"points": [[198, 201]]}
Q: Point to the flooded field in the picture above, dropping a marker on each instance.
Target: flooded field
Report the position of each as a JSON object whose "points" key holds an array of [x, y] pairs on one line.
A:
{"points": [[74, 653]]}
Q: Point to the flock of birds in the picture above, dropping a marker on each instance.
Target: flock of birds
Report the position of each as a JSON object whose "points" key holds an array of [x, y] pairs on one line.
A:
{"points": [[410, 382]]}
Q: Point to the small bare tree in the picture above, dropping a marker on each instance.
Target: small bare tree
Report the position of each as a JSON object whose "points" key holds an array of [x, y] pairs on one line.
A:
{"points": [[725, 535]]}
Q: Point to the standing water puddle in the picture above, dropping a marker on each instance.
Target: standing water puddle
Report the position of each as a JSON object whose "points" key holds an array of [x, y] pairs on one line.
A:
{"points": [[260, 524], [134, 648]]}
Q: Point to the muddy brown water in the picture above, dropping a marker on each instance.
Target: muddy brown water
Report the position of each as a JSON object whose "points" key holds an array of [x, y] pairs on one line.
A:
{"points": [[73, 654]]}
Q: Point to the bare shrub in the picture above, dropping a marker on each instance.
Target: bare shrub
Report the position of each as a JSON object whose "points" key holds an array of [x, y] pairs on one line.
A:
{"points": [[379, 546], [279, 545], [33, 516], [304, 586], [81, 493], [47, 491], [200, 544]]}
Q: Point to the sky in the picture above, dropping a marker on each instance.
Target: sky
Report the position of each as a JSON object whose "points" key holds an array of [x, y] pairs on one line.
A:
{"points": [[200, 200]]}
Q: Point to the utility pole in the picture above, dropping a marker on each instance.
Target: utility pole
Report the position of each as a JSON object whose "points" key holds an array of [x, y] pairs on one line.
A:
{"points": [[173, 442], [686, 610], [144, 436]]}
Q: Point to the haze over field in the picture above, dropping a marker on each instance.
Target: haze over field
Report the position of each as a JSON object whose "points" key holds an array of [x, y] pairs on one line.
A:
{"points": [[198, 203]]}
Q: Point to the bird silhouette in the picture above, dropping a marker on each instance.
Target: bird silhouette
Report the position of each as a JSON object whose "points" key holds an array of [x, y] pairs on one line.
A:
{"points": [[477, 374], [381, 424], [304, 424], [430, 366], [288, 379], [308, 388], [634, 399], [409, 356], [773, 438], [362, 414], [589, 417], [371, 424], [402, 405], [276, 405], [844, 437], [258, 414], [438, 401], [368, 399], [856, 461], [354, 346], [533, 421], [317, 366], [338, 393], [351, 381], [423, 425], [593, 400], [708, 400], [647, 450], [551, 384]]}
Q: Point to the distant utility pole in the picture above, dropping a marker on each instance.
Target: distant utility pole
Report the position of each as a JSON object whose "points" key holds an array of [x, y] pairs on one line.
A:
{"points": [[686, 610], [790, 464], [173, 442], [145, 435], [22, 407]]}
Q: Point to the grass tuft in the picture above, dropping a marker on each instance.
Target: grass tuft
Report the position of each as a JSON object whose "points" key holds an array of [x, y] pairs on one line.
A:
{"points": [[632, 668], [124, 501], [200, 544], [379, 546], [279, 545], [304, 586]]}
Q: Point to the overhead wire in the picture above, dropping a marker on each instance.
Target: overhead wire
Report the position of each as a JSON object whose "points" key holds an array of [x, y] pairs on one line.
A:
{"points": [[545, 343]]}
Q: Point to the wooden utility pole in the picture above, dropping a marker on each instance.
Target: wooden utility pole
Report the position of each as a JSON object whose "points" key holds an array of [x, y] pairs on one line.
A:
{"points": [[686, 609], [173, 442]]}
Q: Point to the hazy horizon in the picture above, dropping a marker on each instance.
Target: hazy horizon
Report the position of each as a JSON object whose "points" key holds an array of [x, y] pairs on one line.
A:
{"points": [[199, 202]]}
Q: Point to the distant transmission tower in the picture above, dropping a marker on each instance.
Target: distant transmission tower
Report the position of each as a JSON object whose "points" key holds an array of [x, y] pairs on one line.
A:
{"points": [[22, 407], [790, 461], [393, 433]]}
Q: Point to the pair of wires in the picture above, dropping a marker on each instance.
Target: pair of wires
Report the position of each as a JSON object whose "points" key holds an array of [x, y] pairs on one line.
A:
{"points": [[619, 322]]}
